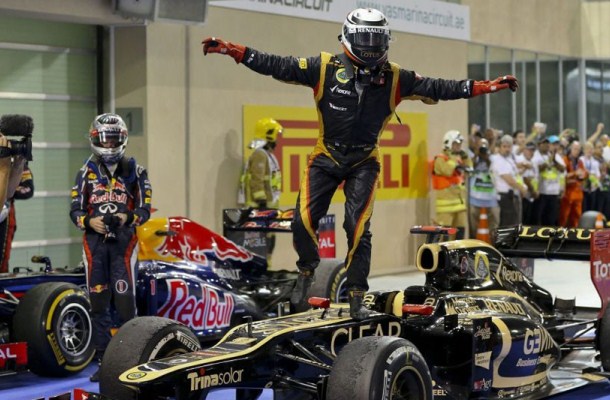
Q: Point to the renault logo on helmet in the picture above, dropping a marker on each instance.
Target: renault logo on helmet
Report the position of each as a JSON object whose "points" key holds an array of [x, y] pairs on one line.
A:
{"points": [[108, 208]]}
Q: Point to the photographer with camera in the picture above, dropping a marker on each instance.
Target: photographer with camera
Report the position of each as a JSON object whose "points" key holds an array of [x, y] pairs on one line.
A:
{"points": [[111, 196], [16, 182], [482, 193]]}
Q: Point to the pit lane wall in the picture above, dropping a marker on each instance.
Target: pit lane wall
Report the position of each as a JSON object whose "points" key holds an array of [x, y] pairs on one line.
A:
{"points": [[193, 105]]}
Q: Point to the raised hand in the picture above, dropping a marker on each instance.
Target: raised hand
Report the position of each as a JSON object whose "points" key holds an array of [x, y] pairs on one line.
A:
{"points": [[216, 45], [500, 83]]}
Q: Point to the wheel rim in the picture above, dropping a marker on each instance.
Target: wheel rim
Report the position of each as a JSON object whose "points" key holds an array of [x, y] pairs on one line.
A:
{"points": [[74, 330], [407, 385]]}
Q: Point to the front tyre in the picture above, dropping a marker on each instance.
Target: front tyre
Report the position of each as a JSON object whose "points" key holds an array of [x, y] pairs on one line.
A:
{"points": [[329, 280], [53, 318], [380, 367], [138, 341]]}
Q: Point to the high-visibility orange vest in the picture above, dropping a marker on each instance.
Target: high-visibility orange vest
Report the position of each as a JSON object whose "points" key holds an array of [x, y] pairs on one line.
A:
{"points": [[440, 182]]}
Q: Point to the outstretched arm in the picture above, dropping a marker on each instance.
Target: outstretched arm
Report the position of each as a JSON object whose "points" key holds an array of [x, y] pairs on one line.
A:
{"points": [[304, 71], [430, 90]]}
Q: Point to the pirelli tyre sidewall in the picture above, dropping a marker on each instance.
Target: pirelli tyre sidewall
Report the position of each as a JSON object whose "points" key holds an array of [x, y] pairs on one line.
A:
{"points": [[329, 280], [379, 367], [54, 319], [138, 341], [603, 338]]}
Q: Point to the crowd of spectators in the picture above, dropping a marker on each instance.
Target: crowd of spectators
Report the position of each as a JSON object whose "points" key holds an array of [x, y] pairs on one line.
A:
{"points": [[538, 178]]}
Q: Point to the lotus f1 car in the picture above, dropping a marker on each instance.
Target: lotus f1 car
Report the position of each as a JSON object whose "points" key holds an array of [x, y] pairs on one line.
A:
{"points": [[477, 328]]}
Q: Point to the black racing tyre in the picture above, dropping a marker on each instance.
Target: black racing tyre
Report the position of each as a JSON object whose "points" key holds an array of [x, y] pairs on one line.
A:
{"points": [[138, 341], [381, 368], [54, 319], [603, 337], [329, 280]]}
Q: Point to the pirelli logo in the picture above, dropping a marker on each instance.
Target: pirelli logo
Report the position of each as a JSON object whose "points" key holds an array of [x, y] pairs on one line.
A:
{"points": [[403, 151]]}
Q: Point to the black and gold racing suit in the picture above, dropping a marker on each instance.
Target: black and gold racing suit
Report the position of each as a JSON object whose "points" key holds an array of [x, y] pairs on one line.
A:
{"points": [[352, 115]]}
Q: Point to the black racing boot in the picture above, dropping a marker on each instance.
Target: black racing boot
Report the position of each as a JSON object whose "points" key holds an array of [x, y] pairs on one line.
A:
{"points": [[299, 297], [357, 310]]}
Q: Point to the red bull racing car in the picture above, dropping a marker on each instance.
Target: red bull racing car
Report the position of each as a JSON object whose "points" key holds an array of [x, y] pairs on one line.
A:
{"points": [[186, 273], [477, 328]]}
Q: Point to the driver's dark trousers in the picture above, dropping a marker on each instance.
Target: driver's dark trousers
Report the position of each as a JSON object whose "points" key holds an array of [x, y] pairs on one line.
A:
{"points": [[110, 273], [358, 169]]}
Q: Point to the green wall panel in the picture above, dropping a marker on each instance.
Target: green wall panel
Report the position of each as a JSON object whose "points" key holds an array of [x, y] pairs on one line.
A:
{"points": [[48, 33], [48, 73], [54, 121], [44, 219], [55, 169]]}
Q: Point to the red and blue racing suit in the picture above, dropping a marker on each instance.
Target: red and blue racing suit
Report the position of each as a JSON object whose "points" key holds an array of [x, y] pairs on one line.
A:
{"points": [[110, 262]]}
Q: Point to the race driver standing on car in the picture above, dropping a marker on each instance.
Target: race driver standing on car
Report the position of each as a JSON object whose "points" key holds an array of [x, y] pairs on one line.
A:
{"points": [[356, 93], [111, 196]]}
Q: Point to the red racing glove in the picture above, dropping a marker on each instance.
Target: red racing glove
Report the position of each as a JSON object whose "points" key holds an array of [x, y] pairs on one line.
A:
{"points": [[215, 45], [503, 82]]}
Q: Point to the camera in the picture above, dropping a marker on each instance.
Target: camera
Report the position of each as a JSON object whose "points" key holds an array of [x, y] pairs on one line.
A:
{"points": [[17, 125], [112, 223], [541, 126], [483, 150]]}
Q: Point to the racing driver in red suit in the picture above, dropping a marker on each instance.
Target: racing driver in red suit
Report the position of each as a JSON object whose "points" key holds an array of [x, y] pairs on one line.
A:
{"points": [[356, 93], [111, 196]]}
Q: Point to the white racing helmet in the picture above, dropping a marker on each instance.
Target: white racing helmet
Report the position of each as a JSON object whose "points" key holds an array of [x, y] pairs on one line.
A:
{"points": [[451, 137], [108, 137], [366, 37]]}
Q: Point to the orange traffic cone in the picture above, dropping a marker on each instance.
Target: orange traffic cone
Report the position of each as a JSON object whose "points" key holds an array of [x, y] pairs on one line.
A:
{"points": [[483, 227], [599, 221]]}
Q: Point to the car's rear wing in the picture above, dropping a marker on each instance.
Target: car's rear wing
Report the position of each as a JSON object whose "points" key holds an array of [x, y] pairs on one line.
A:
{"points": [[434, 233], [544, 242], [256, 220], [562, 243]]}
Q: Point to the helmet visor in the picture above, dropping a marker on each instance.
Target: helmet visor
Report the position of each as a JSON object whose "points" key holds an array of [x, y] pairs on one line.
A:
{"points": [[368, 36], [108, 139]]}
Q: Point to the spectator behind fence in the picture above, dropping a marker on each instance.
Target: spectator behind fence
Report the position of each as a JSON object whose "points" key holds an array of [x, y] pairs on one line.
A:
{"points": [[602, 200], [519, 141], [529, 173], [551, 168], [571, 207], [482, 192], [508, 182], [590, 183]]}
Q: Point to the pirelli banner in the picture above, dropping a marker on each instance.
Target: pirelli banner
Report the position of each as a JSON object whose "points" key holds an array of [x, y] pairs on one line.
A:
{"points": [[404, 151]]}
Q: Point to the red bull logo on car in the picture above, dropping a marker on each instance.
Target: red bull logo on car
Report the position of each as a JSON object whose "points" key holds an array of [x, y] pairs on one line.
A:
{"points": [[206, 308], [185, 240]]}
